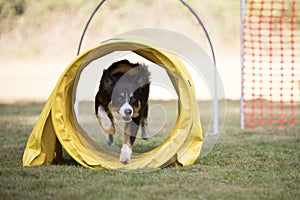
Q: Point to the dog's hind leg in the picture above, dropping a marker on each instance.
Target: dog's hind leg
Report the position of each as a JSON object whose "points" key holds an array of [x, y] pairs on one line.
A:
{"points": [[145, 129], [109, 138], [144, 124]]}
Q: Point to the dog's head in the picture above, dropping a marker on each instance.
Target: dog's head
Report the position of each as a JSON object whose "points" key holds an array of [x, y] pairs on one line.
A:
{"points": [[129, 91]]}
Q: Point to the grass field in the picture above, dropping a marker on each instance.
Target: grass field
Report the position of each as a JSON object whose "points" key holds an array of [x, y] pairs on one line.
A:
{"points": [[243, 165]]}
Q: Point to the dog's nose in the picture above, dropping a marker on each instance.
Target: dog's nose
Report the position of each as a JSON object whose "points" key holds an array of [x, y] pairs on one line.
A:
{"points": [[128, 111]]}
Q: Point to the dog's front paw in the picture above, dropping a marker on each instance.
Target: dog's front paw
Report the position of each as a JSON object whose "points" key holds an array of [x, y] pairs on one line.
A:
{"points": [[104, 121], [125, 154]]}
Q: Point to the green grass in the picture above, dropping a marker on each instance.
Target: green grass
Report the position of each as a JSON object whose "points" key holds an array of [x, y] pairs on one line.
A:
{"points": [[243, 165]]}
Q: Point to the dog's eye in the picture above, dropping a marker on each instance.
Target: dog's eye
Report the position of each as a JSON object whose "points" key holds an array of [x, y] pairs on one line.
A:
{"points": [[117, 99], [133, 100]]}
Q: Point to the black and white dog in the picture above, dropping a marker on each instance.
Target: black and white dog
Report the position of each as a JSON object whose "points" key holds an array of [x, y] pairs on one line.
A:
{"points": [[123, 93]]}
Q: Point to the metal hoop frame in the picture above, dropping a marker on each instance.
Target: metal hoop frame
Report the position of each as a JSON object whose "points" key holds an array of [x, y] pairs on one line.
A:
{"points": [[215, 99]]}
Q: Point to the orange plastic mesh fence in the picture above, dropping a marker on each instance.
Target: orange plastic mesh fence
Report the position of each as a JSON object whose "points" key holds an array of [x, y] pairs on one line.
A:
{"points": [[270, 64]]}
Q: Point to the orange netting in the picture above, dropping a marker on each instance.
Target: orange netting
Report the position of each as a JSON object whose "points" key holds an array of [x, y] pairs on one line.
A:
{"points": [[270, 64]]}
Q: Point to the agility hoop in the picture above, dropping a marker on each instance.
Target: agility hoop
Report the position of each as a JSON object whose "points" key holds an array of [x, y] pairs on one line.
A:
{"points": [[216, 129]]}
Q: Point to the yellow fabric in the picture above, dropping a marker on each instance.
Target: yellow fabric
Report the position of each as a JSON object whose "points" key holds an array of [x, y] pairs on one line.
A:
{"points": [[58, 119]]}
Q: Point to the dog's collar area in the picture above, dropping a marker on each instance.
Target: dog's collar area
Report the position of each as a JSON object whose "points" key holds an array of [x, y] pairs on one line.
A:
{"points": [[127, 119]]}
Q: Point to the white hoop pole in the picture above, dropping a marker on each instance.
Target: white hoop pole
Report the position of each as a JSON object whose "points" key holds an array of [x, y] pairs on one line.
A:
{"points": [[215, 103], [215, 95], [243, 7]]}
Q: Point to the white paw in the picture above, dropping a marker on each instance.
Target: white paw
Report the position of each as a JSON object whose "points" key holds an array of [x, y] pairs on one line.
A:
{"points": [[125, 154], [104, 120]]}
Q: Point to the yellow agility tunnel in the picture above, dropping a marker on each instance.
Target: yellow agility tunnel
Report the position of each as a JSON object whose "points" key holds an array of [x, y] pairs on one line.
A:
{"points": [[57, 125]]}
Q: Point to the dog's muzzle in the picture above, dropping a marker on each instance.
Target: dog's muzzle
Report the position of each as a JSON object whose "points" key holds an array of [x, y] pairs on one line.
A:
{"points": [[126, 111]]}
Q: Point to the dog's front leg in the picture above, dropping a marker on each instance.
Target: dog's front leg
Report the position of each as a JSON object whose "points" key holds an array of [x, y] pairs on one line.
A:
{"points": [[126, 150], [131, 129]]}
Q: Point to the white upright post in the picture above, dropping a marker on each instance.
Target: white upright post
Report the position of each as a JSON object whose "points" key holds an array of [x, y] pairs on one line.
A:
{"points": [[243, 7], [215, 103]]}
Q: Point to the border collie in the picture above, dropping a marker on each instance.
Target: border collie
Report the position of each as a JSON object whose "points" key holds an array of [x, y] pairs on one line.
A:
{"points": [[123, 94]]}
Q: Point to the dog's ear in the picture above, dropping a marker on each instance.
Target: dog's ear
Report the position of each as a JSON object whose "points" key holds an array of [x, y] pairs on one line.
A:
{"points": [[143, 75], [108, 80]]}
